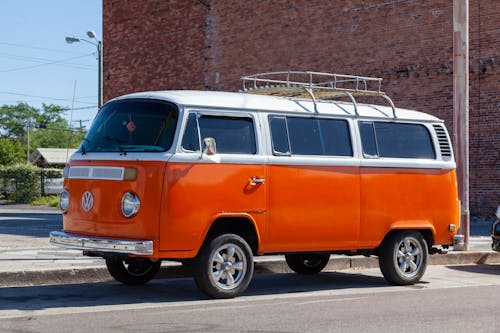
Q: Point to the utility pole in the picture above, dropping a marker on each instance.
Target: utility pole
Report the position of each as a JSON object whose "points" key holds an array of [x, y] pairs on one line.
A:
{"points": [[461, 109], [28, 125], [81, 121]]}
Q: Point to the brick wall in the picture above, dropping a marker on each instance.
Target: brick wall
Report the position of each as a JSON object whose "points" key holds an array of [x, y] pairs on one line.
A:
{"points": [[202, 44]]}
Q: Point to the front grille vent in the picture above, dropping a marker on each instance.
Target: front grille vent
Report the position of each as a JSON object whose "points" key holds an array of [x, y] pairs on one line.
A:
{"points": [[444, 143], [96, 172]]}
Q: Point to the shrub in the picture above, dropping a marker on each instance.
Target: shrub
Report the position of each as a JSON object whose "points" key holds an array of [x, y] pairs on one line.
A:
{"points": [[20, 182]]}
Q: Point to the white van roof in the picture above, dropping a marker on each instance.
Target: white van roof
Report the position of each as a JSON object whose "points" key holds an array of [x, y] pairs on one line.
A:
{"points": [[255, 102]]}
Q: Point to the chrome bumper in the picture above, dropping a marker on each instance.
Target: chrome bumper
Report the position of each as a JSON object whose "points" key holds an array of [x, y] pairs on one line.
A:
{"points": [[129, 246]]}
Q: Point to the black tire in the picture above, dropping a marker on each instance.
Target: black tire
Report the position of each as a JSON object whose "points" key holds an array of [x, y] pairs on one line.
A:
{"points": [[308, 264], [224, 267], [132, 271], [403, 257]]}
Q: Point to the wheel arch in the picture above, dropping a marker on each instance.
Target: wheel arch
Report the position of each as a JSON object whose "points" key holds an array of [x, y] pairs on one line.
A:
{"points": [[426, 231], [242, 225]]}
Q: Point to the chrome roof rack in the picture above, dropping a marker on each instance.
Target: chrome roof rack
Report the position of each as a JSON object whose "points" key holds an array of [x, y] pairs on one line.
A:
{"points": [[315, 85]]}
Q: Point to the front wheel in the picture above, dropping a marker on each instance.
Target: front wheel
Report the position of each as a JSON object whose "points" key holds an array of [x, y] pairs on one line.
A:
{"points": [[224, 267], [132, 271], [403, 257], [307, 263]]}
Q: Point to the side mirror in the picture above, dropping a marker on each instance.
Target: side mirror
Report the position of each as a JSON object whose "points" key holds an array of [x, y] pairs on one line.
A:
{"points": [[209, 146]]}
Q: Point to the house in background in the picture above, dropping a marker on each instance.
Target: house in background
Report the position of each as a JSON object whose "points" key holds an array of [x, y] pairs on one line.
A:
{"points": [[51, 157]]}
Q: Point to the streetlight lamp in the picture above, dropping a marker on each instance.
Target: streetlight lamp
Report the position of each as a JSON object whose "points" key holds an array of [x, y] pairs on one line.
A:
{"points": [[97, 44]]}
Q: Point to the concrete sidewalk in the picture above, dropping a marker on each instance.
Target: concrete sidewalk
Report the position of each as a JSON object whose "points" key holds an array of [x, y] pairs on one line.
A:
{"points": [[27, 258]]}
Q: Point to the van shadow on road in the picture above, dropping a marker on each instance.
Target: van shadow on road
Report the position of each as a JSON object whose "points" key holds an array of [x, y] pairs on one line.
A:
{"points": [[173, 290], [33, 225], [492, 269]]}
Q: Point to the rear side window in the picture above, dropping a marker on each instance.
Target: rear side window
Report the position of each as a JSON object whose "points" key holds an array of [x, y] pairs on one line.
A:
{"points": [[396, 140], [233, 135], [310, 136]]}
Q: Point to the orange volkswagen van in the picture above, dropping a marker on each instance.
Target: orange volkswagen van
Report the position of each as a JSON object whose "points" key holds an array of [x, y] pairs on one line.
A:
{"points": [[213, 179]]}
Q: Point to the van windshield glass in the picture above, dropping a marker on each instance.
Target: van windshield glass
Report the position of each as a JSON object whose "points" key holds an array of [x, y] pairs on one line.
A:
{"points": [[132, 126]]}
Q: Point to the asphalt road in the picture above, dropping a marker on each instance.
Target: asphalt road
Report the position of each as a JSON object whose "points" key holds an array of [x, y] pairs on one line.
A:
{"points": [[449, 299]]}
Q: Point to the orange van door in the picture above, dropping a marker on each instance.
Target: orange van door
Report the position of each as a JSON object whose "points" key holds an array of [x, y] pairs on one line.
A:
{"points": [[201, 188], [314, 187]]}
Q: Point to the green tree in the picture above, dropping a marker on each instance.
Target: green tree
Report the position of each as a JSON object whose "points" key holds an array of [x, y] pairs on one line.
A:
{"points": [[11, 152], [47, 126]]}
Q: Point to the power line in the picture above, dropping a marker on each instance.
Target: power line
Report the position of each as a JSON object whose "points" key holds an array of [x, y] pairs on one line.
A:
{"points": [[58, 129], [39, 48], [81, 108], [44, 64], [45, 97], [43, 60]]}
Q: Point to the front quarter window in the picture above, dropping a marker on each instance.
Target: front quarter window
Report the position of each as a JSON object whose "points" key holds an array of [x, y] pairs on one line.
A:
{"points": [[132, 126]]}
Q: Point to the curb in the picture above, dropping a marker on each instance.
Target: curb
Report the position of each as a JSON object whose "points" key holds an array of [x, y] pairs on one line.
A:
{"points": [[273, 266]]}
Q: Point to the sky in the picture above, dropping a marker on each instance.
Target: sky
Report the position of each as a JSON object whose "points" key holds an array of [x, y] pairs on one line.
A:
{"points": [[38, 66]]}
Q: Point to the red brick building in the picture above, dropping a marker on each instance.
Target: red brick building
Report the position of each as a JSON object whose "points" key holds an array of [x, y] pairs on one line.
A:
{"points": [[210, 44]]}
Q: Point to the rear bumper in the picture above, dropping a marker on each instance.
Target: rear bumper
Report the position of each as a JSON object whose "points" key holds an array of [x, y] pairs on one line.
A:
{"points": [[128, 246]]}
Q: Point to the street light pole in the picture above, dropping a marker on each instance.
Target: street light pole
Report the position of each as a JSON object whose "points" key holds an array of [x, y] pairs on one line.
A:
{"points": [[98, 45], [99, 89]]}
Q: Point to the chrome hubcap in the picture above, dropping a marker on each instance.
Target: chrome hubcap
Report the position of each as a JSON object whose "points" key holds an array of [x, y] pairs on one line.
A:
{"points": [[228, 266], [408, 256]]}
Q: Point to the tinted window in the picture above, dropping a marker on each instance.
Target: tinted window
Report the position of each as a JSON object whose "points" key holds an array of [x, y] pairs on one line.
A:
{"points": [[305, 136], [310, 136], [403, 140], [233, 135], [190, 141], [336, 138], [132, 125], [368, 139], [396, 140], [279, 135]]}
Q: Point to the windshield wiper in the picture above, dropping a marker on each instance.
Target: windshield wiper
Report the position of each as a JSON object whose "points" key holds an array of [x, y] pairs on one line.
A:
{"points": [[117, 142]]}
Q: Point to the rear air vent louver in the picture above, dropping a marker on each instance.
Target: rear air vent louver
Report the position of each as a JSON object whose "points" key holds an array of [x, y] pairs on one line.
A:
{"points": [[444, 144]]}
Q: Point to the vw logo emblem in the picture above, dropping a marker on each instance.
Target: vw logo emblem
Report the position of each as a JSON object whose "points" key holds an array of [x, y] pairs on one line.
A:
{"points": [[87, 201]]}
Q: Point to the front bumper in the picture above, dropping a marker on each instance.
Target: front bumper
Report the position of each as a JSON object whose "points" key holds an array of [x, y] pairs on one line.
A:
{"points": [[129, 246]]}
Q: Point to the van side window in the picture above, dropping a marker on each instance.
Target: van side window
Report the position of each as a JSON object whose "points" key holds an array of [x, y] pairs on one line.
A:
{"points": [[310, 136], [190, 141], [279, 135], [368, 140], [396, 140], [336, 137], [233, 135]]}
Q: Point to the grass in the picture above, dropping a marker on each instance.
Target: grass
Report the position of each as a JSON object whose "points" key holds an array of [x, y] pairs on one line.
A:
{"points": [[49, 200]]}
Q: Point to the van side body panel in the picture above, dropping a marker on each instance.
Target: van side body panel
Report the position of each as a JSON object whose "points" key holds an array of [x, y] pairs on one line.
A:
{"points": [[404, 198], [313, 208], [198, 193]]}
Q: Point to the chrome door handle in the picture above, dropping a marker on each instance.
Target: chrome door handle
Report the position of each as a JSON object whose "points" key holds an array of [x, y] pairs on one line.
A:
{"points": [[254, 181]]}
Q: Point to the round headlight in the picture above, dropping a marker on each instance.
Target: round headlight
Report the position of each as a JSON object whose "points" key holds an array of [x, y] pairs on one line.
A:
{"points": [[64, 201], [130, 204]]}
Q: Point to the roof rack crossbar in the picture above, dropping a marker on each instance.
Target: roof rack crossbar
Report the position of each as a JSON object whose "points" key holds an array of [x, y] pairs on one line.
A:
{"points": [[315, 85]]}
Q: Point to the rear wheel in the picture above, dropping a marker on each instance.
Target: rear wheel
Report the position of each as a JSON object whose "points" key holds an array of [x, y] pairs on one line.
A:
{"points": [[224, 267], [403, 257], [307, 263], [132, 271]]}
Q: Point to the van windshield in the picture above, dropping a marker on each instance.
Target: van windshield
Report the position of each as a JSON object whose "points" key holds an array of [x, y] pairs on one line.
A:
{"points": [[132, 126]]}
